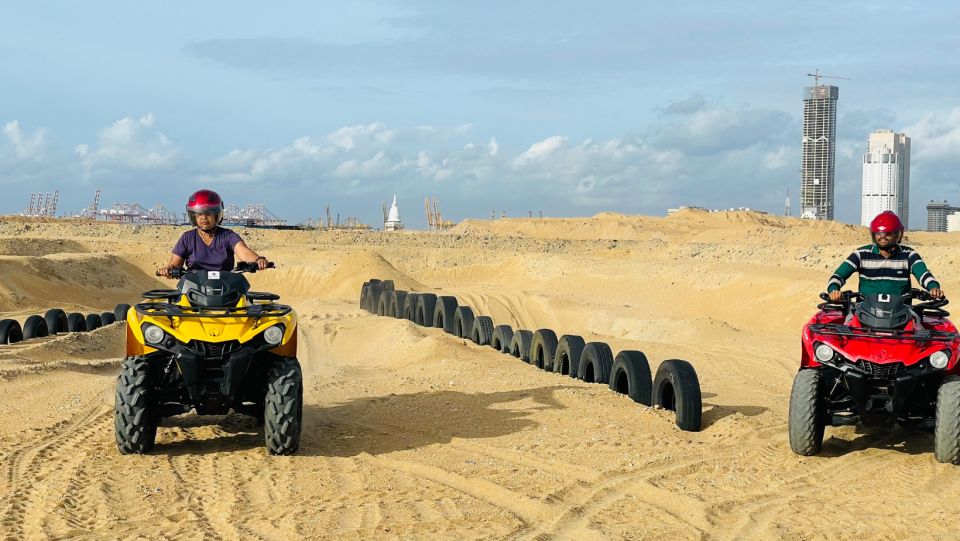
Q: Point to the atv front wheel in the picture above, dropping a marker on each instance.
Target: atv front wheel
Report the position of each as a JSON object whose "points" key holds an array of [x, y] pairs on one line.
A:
{"points": [[134, 420], [806, 422], [283, 409], [946, 434]]}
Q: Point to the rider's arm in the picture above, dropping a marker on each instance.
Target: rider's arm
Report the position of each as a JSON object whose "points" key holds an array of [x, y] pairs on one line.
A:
{"points": [[244, 253], [919, 270], [175, 262], [843, 272]]}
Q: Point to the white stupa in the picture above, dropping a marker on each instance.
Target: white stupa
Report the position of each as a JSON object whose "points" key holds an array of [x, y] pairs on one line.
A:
{"points": [[393, 222]]}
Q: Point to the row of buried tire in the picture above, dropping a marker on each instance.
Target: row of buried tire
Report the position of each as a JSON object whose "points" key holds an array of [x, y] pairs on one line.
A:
{"points": [[675, 387], [56, 321]]}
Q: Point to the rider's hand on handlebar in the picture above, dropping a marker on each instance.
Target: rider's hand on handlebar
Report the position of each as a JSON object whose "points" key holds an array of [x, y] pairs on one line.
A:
{"points": [[262, 263], [936, 293], [835, 295], [164, 271]]}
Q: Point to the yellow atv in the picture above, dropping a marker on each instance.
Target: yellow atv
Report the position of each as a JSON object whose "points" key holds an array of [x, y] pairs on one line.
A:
{"points": [[211, 345]]}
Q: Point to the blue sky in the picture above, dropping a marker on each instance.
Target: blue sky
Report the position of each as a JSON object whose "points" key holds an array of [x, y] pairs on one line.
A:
{"points": [[566, 107]]}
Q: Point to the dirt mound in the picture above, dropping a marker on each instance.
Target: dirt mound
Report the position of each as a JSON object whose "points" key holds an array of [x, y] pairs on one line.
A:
{"points": [[94, 281], [39, 246]]}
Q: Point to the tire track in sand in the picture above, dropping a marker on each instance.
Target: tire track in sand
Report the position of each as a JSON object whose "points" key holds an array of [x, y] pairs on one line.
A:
{"points": [[36, 471]]}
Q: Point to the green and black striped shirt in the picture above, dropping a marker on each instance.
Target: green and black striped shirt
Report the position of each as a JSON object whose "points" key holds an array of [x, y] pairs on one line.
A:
{"points": [[879, 274]]}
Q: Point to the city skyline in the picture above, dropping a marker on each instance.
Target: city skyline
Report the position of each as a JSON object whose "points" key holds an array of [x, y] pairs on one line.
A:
{"points": [[551, 106]]}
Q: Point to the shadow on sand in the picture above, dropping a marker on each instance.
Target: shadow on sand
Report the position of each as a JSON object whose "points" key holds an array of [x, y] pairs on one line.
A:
{"points": [[713, 413], [908, 440], [375, 425]]}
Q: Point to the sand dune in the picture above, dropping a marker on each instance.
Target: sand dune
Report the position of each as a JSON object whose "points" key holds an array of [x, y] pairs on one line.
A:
{"points": [[412, 433]]}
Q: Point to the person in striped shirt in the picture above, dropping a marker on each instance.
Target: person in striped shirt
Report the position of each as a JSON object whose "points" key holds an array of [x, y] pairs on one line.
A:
{"points": [[884, 266]]}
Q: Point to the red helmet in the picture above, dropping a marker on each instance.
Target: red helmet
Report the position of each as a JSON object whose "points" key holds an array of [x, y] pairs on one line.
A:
{"points": [[886, 222], [205, 201]]}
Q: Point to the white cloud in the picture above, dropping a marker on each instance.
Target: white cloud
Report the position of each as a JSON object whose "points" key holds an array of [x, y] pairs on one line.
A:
{"points": [[541, 150], [26, 146], [128, 144], [936, 135]]}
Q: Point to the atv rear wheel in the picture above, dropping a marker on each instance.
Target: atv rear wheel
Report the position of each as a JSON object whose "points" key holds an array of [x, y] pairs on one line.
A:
{"points": [[946, 434], [134, 418], [805, 424], [283, 408]]}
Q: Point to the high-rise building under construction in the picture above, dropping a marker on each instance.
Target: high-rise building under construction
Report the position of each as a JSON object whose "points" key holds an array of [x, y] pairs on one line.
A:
{"points": [[886, 176], [819, 150]]}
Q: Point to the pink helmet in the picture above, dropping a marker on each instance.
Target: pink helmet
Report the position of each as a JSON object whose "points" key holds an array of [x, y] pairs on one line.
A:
{"points": [[205, 201]]}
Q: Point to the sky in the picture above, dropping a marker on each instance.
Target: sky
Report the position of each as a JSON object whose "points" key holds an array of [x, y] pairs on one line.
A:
{"points": [[565, 108]]}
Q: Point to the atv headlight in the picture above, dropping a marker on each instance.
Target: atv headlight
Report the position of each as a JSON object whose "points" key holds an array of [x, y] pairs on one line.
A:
{"points": [[939, 359], [824, 353], [273, 335], [153, 334]]}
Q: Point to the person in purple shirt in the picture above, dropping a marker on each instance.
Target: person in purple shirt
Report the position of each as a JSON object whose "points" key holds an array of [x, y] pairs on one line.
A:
{"points": [[209, 246]]}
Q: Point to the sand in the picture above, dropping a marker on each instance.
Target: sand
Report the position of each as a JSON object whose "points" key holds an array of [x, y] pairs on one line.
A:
{"points": [[411, 433]]}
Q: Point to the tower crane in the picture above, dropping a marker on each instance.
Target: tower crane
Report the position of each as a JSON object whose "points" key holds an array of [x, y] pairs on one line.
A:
{"points": [[816, 77]]}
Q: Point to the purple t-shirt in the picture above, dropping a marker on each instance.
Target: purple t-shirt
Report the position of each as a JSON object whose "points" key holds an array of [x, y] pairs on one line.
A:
{"points": [[199, 256]]}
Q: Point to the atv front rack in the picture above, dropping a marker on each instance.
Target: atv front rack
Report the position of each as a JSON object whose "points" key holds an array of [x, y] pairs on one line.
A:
{"points": [[165, 309], [922, 335]]}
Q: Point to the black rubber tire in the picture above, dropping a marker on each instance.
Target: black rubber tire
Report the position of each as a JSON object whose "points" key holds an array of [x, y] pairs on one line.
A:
{"points": [[34, 327], [630, 375], [120, 312], [56, 321], [805, 421], [396, 303], [567, 358], [387, 285], [444, 312], [426, 304], [374, 290], [482, 331], [543, 348], [383, 304], [595, 363], [463, 322], [520, 344], [76, 322], [107, 318], [502, 336], [134, 412], [93, 322], [410, 306], [363, 295], [283, 407], [946, 433], [677, 388], [10, 331]]}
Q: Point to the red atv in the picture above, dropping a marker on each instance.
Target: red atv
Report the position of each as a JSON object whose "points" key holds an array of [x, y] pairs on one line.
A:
{"points": [[878, 360]]}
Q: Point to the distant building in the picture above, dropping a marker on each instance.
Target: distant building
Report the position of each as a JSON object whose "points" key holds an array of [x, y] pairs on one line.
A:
{"points": [[937, 212], [886, 176], [819, 151], [393, 222], [953, 222]]}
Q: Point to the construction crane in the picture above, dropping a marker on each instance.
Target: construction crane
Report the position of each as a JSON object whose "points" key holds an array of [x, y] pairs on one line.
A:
{"points": [[435, 221], [816, 77]]}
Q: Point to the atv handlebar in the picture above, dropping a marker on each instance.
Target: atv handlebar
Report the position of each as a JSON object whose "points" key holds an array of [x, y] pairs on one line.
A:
{"points": [[242, 266], [846, 297], [928, 304]]}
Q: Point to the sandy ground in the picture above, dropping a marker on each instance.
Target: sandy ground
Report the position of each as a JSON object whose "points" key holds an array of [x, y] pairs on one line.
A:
{"points": [[412, 433]]}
